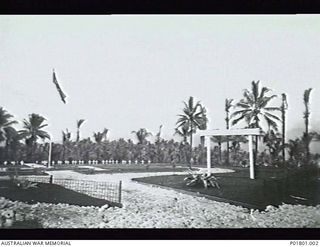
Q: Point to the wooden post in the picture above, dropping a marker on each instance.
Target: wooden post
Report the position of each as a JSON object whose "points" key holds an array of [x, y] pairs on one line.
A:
{"points": [[251, 157], [208, 155], [120, 188]]}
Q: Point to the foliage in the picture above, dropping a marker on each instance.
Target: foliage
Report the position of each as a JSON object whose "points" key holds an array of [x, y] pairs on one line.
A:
{"points": [[306, 115], [203, 179], [194, 117], [254, 108], [273, 141], [142, 135], [79, 123], [32, 131]]}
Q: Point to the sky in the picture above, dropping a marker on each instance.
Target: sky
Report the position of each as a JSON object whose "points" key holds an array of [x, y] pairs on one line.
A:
{"points": [[125, 72]]}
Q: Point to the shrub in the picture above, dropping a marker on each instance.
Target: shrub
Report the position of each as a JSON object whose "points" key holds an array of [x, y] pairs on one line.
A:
{"points": [[203, 179]]}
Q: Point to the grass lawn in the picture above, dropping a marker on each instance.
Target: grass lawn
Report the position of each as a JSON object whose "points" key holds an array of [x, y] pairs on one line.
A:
{"points": [[21, 170], [238, 189], [49, 193]]}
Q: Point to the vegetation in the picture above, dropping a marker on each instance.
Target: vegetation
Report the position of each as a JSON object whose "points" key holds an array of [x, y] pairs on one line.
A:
{"points": [[32, 130], [254, 109], [193, 118], [227, 107], [203, 179], [306, 136], [283, 109]]}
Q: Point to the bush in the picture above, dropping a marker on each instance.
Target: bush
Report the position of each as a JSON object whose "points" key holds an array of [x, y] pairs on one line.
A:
{"points": [[207, 181]]}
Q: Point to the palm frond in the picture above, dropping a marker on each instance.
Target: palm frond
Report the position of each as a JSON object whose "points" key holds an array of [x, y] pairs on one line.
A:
{"points": [[80, 122], [306, 96]]}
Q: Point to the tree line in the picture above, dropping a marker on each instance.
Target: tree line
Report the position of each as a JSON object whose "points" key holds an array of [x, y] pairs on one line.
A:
{"points": [[253, 110]]}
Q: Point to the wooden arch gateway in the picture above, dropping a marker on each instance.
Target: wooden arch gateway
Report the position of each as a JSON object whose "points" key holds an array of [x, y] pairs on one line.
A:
{"points": [[230, 132]]}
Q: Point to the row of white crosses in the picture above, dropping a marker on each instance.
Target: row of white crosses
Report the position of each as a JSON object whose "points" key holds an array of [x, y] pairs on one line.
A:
{"points": [[124, 162], [95, 162], [67, 162], [13, 163]]}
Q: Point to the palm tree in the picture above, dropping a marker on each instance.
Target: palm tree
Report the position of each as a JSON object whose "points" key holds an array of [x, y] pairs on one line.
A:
{"points": [[228, 105], [183, 131], [194, 116], [5, 124], [66, 141], [79, 123], [306, 115], [274, 142], [219, 140], [254, 109], [296, 150], [236, 144], [9, 138], [142, 135], [105, 133], [158, 136], [32, 130], [98, 137], [283, 109]]}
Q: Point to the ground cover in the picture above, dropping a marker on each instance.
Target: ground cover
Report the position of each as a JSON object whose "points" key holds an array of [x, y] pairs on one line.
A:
{"points": [[153, 207], [238, 189], [48, 193], [6, 170]]}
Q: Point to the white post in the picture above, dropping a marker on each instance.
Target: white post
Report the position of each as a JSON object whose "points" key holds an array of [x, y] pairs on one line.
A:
{"points": [[251, 157], [50, 151], [207, 138]]}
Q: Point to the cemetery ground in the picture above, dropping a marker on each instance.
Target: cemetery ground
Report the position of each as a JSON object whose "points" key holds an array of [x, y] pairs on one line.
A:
{"points": [[146, 206], [271, 187]]}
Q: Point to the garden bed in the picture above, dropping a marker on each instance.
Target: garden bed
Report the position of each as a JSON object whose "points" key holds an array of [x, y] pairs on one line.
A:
{"points": [[237, 188], [49, 193]]}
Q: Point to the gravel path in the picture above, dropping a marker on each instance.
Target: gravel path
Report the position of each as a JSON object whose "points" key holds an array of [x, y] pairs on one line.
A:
{"points": [[152, 207]]}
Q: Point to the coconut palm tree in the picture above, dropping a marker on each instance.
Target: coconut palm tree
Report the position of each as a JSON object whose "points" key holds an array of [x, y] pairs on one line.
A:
{"points": [[219, 140], [32, 131], [296, 150], [98, 137], [158, 135], [227, 107], [9, 138], [236, 144], [194, 116], [183, 131], [142, 135], [273, 141], [283, 109], [254, 108], [66, 141], [306, 115], [6, 123], [79, 123], [105, 133]]}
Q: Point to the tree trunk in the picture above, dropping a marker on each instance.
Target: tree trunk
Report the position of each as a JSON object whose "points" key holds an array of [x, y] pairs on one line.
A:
{"points": [[220, 153], [190, 162], [283, 135], [256, 151], [307, 138], [228, 154], [228, 144]]}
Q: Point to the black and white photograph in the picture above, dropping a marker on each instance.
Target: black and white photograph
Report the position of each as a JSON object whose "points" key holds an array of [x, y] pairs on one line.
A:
{"points": [[166, 122]]}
